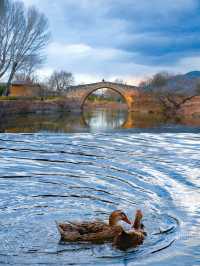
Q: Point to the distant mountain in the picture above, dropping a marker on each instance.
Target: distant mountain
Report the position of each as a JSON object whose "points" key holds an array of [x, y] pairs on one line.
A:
{"points": [[193, 74]]}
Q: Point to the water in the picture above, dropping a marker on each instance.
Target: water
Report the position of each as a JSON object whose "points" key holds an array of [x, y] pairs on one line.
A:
{"points": [[46, 177], [100, 120]]}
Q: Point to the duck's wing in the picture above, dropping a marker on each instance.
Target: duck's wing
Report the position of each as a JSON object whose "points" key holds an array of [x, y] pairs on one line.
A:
{"points": [[89, 227], [82, 227], [66, 226], [68, 232], [106, 234]]}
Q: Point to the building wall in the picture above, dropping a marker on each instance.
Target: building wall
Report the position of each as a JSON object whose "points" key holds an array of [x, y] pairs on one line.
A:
{"points": [[25, 90]]}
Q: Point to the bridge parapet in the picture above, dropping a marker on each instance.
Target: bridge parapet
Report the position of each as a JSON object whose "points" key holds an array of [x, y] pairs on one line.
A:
{"points": [[105, 84]]}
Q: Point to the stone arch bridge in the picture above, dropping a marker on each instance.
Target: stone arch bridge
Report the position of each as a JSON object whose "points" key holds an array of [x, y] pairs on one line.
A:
{"points": [[79, 94]]}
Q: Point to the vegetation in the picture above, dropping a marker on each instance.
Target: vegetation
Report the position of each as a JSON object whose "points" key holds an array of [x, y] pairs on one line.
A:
{"points": [[10, 98], [60, 81], [24, 33], [96, 98], [36, 98], [170, 100], [2, 89], [103, 97], [26, 78], [119, 81]]}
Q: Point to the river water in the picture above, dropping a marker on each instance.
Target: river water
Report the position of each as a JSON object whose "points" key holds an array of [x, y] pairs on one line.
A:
{"points": [[50, 175]]}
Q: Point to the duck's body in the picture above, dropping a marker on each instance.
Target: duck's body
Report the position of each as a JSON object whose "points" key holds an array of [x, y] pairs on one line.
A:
{"points": [[94, 232], [134, 237]]}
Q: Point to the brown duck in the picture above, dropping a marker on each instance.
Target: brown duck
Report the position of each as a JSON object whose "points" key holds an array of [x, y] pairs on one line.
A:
{"points": [[94, 232], [131, 239]]}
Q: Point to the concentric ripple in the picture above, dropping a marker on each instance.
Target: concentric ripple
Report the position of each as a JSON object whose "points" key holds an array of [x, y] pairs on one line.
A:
{"points": [[48, 177]]}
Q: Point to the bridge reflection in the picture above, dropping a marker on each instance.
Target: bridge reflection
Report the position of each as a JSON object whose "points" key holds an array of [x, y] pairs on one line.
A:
{"points": [[89, 121], [105, 119]]}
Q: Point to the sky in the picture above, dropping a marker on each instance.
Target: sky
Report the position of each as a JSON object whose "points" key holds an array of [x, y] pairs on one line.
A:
{"points": [[125, 39]]}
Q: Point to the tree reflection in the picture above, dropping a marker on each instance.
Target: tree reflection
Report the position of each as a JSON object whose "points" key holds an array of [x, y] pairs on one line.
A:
{"points": [[96, 120]]}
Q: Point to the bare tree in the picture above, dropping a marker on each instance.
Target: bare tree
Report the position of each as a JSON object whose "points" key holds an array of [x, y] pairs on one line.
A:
{"points": [[24, 77], [119, 81], [157, 83], [23, 36], [170, 100], [30, 65], [27, 72], [8, 33], [59, 81]]}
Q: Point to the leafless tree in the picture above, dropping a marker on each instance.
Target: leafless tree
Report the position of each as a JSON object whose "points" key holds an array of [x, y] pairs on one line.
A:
{"points": [[170, 100], [8, 33], [23, 77], [24, 33], [59, 81], [119, 81], [27, 72], [157, 83]]}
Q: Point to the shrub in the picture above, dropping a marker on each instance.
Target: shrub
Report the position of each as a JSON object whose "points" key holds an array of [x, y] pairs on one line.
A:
{"points": [[2, 88]]}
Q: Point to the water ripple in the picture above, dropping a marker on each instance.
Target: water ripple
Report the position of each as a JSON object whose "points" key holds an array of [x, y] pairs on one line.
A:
{"points": [[46, 177]]}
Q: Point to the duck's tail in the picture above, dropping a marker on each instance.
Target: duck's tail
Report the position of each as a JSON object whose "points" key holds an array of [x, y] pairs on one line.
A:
{"points": [[60, 230]]}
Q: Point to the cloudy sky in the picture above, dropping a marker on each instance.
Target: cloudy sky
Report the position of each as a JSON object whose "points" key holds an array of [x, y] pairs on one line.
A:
{"points": [[128, 39]]}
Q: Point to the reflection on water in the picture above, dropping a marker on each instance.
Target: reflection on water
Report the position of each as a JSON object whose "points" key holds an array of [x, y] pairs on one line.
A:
{"points": [[105, 119], [91, 121]]}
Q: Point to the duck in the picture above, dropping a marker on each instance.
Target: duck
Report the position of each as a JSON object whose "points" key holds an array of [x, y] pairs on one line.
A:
{"points": [[96, 232], [132, 238]]}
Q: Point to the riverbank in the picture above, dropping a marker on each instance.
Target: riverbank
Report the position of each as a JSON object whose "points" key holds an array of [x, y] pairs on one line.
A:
{"points": [[26, 106], [142, 104]]}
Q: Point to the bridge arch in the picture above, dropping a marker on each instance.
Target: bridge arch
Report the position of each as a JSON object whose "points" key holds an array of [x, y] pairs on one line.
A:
{"points": [[78, 94], [89, 92]]}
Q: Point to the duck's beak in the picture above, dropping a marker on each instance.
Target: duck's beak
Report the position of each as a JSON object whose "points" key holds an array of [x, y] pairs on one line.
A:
{"points": [[126, 220]]}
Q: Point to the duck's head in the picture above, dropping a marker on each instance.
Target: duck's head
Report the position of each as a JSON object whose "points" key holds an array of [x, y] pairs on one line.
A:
{"points": [[117, 216], [137, 222]]}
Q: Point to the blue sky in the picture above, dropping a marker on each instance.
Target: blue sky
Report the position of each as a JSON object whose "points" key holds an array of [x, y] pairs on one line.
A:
{"points": [[128, 39]]}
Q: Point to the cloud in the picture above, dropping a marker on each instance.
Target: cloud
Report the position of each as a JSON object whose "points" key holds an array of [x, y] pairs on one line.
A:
{"points": [[81, 50], [108, 38]]}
